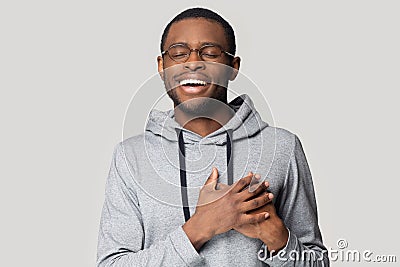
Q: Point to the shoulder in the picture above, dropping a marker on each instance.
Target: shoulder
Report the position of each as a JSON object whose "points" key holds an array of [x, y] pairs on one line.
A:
{"points": [[133, 143], [133, 140], [283, 139], [128, 148]]}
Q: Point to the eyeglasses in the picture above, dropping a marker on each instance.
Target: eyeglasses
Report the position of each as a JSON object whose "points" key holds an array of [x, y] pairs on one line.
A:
{"points": [[180, 53]]}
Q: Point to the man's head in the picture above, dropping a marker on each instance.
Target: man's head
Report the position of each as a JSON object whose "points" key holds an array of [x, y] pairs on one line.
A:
{"points": [[207, 14], [197, 60]]}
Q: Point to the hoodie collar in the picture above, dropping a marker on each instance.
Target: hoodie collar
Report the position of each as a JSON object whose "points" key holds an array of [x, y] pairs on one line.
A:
{"points": [[245, 123]]}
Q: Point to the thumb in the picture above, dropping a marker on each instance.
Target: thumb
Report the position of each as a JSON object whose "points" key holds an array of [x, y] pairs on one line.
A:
{"points": [[212, 179]]}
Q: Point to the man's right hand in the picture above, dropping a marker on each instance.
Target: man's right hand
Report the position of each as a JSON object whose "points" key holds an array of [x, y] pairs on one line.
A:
{"points": [[220, 210]]}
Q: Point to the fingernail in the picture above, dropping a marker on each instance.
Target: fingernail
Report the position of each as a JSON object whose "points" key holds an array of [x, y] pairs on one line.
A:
{"points": [[266, 215], [257, 176], [266, 184], [270, 196]]}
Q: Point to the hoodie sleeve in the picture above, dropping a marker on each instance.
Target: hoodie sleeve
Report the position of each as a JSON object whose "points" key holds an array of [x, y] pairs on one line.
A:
{"points": [[297, 207], [121, 235]]}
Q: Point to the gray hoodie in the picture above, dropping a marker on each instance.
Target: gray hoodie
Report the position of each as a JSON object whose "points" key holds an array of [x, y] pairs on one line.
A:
{"points": [[152, 189]]}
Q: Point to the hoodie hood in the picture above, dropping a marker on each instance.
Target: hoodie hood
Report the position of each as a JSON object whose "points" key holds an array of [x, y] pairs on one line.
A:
{"points": [[245, 123]]}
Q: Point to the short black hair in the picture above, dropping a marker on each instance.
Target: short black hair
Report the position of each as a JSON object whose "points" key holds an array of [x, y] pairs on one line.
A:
{"points": [[199, 12]]}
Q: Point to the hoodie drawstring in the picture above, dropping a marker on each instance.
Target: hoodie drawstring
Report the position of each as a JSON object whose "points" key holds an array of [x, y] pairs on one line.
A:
{"points": [[182, 173], [182, 167], [229, 156]]}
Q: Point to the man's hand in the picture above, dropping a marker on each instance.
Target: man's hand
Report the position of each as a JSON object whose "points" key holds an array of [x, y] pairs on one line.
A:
{"points": [[272, 231], [220, 210]]}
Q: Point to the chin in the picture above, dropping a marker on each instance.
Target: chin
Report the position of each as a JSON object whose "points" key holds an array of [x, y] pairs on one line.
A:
{"points": [[198, 105]]}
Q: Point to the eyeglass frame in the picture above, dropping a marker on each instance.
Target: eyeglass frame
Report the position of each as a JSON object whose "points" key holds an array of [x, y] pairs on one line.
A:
{"points": [[195, 49]]}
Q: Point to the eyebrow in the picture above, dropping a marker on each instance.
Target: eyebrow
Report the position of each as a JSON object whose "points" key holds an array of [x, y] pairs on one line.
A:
{"points": [[201, 44]]}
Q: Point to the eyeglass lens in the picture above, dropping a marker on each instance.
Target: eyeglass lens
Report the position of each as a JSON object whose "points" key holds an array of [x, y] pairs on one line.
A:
{"points": [[181, 53]]}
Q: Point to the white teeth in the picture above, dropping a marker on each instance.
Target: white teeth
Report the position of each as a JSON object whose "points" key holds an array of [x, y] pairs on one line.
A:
{"points": [[192, 81]]}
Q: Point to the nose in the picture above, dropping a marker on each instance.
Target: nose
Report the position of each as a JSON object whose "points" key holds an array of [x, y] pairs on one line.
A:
{"points": [[194, 62]]}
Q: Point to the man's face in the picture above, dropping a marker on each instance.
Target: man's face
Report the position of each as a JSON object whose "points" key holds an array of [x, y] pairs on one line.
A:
{"points": [[191, 83]]}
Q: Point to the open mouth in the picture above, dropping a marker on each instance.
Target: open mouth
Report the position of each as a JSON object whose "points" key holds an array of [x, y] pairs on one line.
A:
{"points": [[192, 82], [193, 86]]}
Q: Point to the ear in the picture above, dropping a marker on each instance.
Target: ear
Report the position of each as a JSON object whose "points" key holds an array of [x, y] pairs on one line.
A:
{"points": [[235, 68], [160, 67]]}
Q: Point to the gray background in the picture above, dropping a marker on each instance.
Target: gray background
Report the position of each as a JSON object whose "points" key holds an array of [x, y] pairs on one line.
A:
{"points": [[330, 71]]}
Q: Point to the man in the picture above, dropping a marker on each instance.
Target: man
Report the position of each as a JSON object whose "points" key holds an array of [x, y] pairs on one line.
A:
{"points": [[154, 213]]}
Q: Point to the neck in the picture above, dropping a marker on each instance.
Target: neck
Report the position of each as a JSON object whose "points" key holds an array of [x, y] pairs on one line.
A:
{"points": [[203, 126]]}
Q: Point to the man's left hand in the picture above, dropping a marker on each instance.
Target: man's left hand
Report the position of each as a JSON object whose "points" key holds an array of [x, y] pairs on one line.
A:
{"points": [[272, 231]]}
